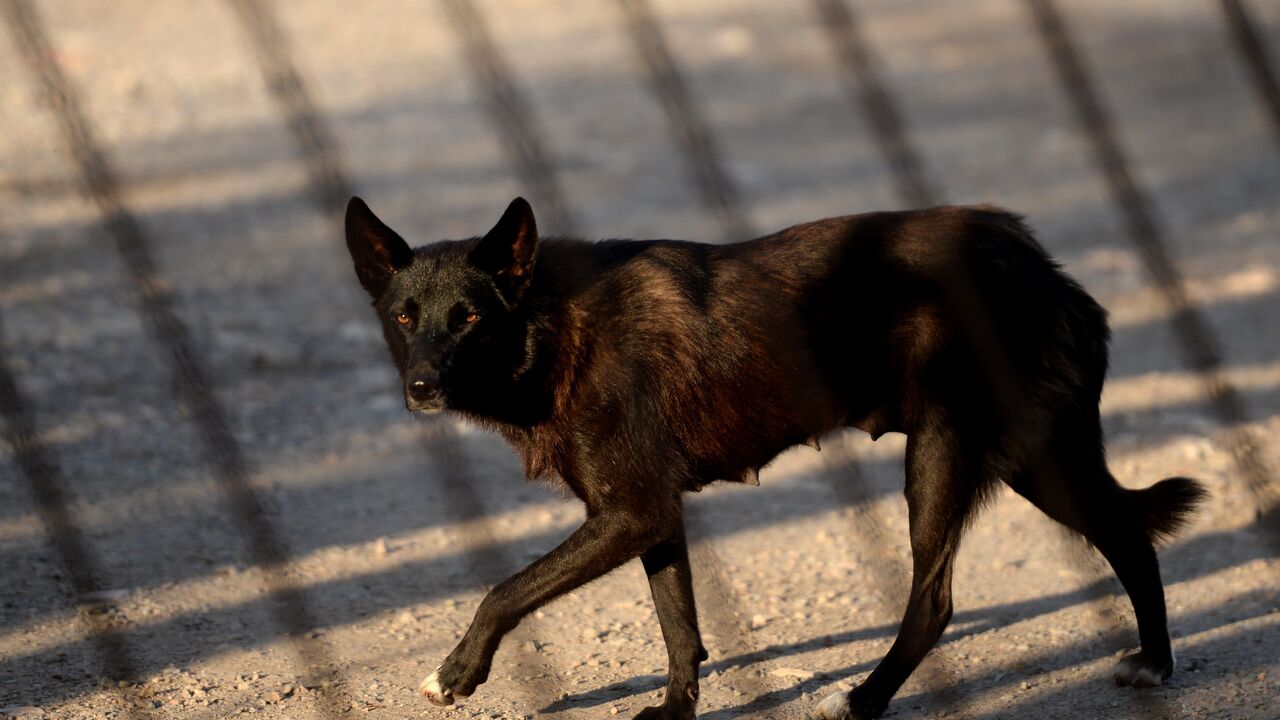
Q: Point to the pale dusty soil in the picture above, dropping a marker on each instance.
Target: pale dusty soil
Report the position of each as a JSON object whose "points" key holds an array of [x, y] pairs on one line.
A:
{"points": [[799, 594]]}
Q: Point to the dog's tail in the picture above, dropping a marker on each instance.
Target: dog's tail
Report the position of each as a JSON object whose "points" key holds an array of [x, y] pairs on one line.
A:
{"points": [[1167, 506]]}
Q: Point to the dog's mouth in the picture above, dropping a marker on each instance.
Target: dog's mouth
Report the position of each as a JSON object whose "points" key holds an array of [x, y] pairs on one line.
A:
{"points": [[426, 410], [426, 401]]}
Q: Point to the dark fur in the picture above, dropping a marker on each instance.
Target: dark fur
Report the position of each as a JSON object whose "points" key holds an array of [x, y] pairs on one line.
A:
{"points": [[636, 371]]}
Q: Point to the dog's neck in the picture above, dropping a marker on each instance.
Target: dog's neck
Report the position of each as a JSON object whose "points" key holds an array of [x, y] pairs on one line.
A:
{"points": [[530, 411]]}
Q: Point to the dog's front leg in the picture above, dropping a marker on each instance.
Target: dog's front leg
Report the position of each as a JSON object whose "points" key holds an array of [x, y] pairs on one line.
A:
{"points": [[670, 580], [602, 543]]}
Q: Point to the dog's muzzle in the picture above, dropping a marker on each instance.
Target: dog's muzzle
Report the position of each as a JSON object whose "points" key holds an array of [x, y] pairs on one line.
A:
{"points": [[422, 394]]}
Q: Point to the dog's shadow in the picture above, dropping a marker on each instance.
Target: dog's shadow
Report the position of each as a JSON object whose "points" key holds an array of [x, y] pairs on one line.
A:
{"points": [[641, 684], [964, 624]]}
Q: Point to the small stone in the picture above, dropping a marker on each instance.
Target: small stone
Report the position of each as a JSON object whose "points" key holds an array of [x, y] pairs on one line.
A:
{"points": [[758, 621], [380, 548], [614, 710]]}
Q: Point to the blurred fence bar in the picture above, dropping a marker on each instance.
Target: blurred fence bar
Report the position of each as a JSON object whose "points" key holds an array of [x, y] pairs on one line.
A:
{"points": [[319, 150], [692, 133], [700, 150], [517, 126], [861, 80], [1199, 344], [487, 563], [860, 76], [512, 116], [1253, 50], [154, 303], [329, 184], [40, 469]]}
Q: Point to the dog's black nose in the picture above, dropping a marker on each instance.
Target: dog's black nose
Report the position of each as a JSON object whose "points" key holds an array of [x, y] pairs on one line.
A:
{"points": [[421, 389], [422, 392]]}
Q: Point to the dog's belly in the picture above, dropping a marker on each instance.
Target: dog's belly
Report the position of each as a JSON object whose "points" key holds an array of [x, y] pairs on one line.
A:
{"points": [[877, 422]]}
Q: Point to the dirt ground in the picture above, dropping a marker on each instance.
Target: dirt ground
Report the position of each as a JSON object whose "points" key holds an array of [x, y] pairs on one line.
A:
{"points": [[800, 594]]}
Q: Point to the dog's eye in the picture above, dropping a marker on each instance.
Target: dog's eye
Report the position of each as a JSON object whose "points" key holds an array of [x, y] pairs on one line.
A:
{"points": [[403, 318], [471, 317]]}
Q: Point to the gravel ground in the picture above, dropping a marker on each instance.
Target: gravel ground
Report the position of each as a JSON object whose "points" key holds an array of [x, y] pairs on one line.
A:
{"points": [[800, 595]]}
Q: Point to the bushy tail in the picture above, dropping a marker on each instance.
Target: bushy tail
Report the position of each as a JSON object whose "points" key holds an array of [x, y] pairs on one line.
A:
{"points": [[1168, 505]]}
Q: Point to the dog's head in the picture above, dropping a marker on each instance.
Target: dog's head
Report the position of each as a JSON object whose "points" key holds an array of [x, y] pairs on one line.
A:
{"points": [[450, 311]]}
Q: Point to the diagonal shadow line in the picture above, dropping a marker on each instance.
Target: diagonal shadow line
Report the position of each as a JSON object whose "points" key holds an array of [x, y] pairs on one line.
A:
{"points": [[487, 562], [721, 196], [1154, 703], [970, 623], [771, 494], [599, 696], [740, 504], [1208, 647], [1252, 47], [1199, 343], [511, 113], [332, 189], [154, 303], [860, 76], [856, 495], [693, 134], [39, 467], [221, 618], [516, 123], [862, 82], [329, 185], [725, 617]]}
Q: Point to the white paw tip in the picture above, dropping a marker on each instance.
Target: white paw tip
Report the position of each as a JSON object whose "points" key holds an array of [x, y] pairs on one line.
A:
{"points": [[834, 707], [1129, 671], [431, 690]]}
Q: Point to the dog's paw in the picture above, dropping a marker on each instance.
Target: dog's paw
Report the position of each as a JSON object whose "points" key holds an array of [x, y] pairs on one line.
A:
{"points": [[847, 706], [834, 707], [1140, 671], [665, 712], [438, 692]]}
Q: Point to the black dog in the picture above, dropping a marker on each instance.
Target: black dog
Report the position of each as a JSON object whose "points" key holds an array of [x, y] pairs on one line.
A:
{"points": [[636, 371]]}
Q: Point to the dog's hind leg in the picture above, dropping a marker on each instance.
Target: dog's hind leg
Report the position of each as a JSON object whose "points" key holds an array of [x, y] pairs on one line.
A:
{"points": [[943, 482], [1070, 482], [671, 582]]}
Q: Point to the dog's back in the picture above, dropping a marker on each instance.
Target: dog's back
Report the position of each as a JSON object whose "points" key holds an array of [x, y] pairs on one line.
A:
{"points": [[736, 352]]}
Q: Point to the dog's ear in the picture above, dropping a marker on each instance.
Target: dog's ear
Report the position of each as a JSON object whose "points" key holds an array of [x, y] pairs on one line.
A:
{"points": [[509, 250], [376, 249]]}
